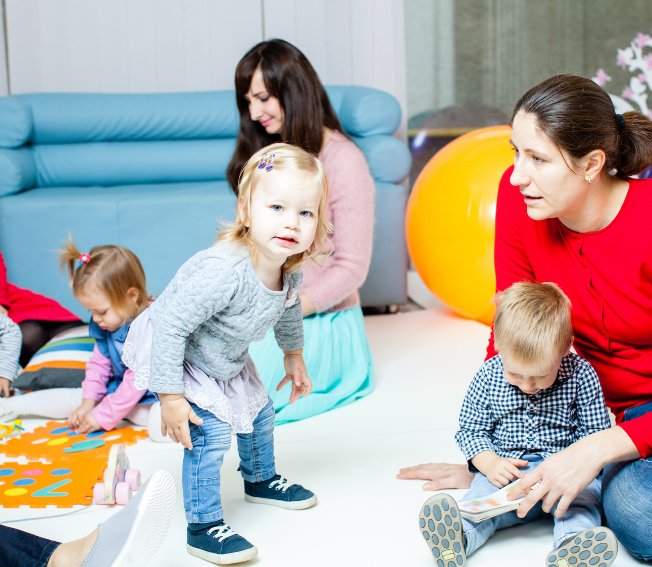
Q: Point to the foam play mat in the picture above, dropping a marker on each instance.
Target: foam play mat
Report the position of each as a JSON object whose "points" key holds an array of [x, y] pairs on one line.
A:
{"points": [[56, 442], [38, 485]]}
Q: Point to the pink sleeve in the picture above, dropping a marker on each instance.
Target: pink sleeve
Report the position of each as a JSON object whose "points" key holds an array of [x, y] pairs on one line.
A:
{"points": [[98, 374], [351, 201], [116, 406]]}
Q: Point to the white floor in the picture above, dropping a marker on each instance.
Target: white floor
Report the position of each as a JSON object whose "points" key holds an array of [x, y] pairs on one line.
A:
{"points": [[349, 457]]}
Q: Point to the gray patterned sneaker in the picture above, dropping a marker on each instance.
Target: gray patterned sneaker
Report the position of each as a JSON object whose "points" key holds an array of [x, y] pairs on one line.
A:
{"points": [[440, 524], [597, 547]]}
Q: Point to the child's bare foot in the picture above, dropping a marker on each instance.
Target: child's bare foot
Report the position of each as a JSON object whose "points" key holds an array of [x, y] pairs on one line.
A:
{"points": [[73, 553]]}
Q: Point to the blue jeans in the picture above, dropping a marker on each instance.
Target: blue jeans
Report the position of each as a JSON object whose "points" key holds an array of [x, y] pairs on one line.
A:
{"points": [[583, 514], [627, 498], [22, 549], [201, 466]]}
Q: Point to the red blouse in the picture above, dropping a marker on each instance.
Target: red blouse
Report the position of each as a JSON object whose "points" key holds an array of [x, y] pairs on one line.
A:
{"points": [[23, 305], [607, 276]]}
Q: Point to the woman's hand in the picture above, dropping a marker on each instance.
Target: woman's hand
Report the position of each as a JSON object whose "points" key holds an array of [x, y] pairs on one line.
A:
{"points": [[307, 307], [297, 374], [3, 311], [440, 475], [175, 414], [565, 474], [5, 387], [77, 417]]}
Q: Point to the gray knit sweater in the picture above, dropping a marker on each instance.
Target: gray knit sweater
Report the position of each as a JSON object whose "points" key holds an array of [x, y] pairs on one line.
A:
{"points": [[210, 312]]}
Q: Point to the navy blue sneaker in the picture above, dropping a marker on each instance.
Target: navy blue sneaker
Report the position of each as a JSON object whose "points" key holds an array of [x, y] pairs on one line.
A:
{"points": [[219, 544], [278, 491]]}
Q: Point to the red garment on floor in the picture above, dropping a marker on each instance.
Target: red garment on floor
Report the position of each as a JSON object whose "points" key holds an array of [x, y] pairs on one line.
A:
{"points": [[23, 305], [607, 276]]}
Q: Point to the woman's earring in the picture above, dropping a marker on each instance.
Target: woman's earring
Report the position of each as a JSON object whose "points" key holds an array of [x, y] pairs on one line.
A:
{"points": [[588, 179]]}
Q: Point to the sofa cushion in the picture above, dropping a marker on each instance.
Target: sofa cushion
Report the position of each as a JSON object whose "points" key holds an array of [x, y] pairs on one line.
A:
{"points": [[17, 170], [364, 111], [15, 122], [73, 117], [388, 158], [164, 225], [124, 163]]}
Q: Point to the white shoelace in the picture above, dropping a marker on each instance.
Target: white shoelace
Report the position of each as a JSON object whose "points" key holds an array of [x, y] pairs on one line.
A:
{"points": [[283, 484], [222, 532]]}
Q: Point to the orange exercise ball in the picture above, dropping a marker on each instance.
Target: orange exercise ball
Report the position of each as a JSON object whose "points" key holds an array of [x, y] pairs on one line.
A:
{"points": [[451, 220]]}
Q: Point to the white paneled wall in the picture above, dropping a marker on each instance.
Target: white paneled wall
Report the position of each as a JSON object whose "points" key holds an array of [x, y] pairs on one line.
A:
{"points": [[193, 45], [128, 45], [4, 77]]}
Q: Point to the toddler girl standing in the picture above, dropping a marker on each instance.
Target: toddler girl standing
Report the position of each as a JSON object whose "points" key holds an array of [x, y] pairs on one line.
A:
{"points": [[109, 282], [191, 346]]}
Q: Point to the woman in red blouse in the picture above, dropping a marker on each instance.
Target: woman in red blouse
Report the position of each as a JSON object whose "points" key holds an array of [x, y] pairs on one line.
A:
{"points": [[38, 317], [567, 212]]}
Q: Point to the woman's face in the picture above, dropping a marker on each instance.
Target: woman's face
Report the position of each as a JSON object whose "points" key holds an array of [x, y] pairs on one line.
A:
{"points": [[263, 107], [549, 188]]}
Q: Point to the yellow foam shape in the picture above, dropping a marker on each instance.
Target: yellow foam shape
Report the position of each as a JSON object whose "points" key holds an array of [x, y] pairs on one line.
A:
{"points": [[15, 492], [448, 554], [59, 441]]}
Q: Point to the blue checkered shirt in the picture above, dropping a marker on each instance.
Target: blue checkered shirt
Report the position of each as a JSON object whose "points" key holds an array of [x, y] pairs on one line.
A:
{"points": [[499, 417]]}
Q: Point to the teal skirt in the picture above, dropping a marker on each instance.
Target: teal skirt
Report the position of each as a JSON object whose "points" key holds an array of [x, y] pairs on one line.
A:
{"points": [[338, 360]]}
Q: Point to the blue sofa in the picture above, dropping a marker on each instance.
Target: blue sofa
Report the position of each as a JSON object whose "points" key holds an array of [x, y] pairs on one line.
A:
{"points": [[147, 171]]}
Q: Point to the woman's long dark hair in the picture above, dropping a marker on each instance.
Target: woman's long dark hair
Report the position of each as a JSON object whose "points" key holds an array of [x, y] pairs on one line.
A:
{"points": [[289, 77]]}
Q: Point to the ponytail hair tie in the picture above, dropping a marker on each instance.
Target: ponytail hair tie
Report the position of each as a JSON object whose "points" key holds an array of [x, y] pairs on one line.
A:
{"points": [[84, 259], [621, 122]]}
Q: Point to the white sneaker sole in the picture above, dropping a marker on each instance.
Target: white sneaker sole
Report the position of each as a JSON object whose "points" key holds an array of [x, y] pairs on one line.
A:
{"points": [[226, 559], [297, 505], [152, 522]]}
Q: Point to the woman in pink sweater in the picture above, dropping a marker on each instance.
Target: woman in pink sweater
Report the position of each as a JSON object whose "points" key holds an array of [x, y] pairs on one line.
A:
{"points": [[280, 98]]}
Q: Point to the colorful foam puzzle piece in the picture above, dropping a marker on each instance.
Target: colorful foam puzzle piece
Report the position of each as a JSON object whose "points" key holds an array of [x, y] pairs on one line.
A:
{"points": [[56, 442], [39, 485]]}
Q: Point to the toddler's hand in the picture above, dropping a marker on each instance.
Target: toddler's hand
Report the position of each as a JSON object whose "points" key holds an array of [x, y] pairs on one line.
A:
{"points": [[5, 387], [297, 374], [175, 414], [77, 417], [88, 424], [502, 470]]}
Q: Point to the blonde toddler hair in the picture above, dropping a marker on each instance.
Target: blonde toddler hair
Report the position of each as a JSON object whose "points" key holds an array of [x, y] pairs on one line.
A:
{"points": [[290, 159], [110, 269], [532, 325]]}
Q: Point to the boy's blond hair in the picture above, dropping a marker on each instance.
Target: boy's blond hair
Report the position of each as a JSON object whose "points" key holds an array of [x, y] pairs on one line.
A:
{"points": [[532, 325], [290, 159]]}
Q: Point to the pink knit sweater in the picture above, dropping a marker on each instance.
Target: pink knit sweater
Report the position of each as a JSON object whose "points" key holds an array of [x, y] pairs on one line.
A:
{"points": [[334, 287]]}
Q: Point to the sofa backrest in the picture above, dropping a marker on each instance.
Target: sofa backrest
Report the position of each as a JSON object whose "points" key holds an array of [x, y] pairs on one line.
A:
{"points": [[63, 139]]}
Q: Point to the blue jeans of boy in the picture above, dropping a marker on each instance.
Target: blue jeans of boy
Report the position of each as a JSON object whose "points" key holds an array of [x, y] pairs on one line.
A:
{"points": [[583, 514], [627, 498], [201, 465], [22, 549]]}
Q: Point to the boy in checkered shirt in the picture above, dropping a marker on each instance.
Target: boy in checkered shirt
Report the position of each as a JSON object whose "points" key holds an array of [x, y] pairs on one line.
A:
{"points": [[533, 399]]}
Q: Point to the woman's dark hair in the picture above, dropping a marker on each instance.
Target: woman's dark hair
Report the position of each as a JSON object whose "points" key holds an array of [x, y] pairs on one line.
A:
{"points": [[290, 78], [578, 116]]}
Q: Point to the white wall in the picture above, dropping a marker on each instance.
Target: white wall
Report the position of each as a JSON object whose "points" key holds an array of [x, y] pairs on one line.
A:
{"points": [[190, 45], [4, 78]]}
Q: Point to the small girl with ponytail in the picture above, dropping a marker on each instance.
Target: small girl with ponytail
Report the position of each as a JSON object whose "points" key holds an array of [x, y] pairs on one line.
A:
{"points": [[110, 282]]}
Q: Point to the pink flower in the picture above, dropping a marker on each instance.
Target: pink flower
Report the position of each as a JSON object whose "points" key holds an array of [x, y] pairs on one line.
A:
{"points": [[602, 77], [642, 78], [648, 60], [641, 39], [648, 113], [621, 61], [627, 93]]}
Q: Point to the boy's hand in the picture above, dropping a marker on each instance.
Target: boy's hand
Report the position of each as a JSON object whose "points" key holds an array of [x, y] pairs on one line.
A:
{"points": [[5, 387], [499, 470], [297, 374], [175, 414], [77, 417]]}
